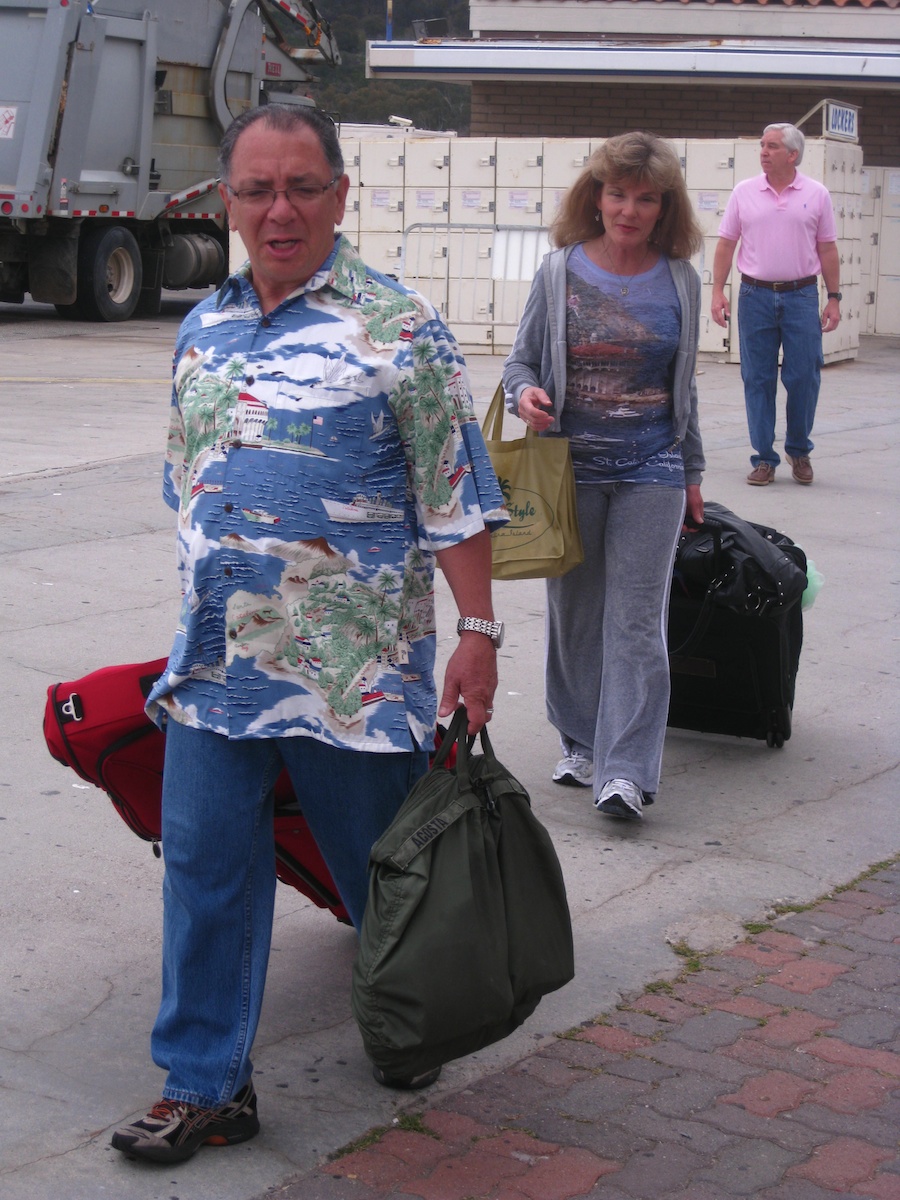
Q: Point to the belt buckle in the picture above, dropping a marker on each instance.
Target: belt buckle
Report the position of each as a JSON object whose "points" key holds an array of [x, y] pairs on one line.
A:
{"points": [[781, 286]]}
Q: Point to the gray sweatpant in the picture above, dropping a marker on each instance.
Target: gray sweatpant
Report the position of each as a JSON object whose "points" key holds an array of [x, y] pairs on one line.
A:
{"points": [[607, 667]]}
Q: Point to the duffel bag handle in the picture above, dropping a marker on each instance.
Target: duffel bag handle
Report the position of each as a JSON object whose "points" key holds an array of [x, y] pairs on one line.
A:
{"points": [[458, 736], [459, 723]]}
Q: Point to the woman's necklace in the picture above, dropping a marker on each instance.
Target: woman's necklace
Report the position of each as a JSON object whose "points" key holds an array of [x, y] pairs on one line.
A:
{"points": [[624, 280]]}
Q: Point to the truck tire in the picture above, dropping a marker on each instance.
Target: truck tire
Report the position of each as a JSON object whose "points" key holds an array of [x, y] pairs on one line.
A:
{"points": [[109, 276]]}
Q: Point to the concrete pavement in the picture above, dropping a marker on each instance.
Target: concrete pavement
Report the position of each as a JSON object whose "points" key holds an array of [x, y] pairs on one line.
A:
{"points": [[89, 580]]}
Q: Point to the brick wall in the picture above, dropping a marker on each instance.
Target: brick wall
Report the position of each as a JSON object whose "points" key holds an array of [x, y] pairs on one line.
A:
{"points": [[673, 110]]}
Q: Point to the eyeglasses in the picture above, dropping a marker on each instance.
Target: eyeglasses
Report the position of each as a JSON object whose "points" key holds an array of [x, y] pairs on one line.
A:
{"points": [[298, 195]]}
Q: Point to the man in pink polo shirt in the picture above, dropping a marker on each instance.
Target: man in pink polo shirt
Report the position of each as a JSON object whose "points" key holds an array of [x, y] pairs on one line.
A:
{"points": [[785, 224]]}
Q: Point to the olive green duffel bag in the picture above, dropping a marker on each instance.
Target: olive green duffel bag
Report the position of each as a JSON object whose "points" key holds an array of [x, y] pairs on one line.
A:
{"points": [[467, 924]]}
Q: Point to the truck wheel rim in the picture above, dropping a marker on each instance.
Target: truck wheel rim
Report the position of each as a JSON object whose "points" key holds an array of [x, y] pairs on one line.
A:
{"points": [[119, 276]]}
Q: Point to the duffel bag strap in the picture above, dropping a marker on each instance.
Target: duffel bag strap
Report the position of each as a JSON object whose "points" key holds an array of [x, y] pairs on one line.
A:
{"points": [[461, 802]]}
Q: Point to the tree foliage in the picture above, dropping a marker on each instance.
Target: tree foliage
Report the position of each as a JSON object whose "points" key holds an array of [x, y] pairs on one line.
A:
{"points": [[349, 97]]}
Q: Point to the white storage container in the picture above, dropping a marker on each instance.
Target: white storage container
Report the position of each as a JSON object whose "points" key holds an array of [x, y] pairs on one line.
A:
{"points": [[564, 160], [381, 163], [473, 162], [709, 206], [381, 210], [709, 165], [427, 163], [679, 145], [470, 300], [350, 223], [520, 163], [551, 199], [519, 206], [472, 205], [425, 203], [350, 151], [887, 305], [382, 251], [470, 252]]}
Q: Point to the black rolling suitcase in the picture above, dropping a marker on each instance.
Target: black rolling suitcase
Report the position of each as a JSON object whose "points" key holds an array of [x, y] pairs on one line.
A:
{"points": [[735, 629]]}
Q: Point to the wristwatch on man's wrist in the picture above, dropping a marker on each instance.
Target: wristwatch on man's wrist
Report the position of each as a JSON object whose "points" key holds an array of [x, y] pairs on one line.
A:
{"points": [[491, 629], [834, 295]]}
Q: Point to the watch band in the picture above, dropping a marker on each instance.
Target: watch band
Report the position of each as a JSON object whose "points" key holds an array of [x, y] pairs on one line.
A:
{"points": [[490, 629], [834, 295]]}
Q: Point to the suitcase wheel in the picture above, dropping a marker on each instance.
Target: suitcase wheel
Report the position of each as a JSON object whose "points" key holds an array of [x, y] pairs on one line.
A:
{"points": [[779, 727]]}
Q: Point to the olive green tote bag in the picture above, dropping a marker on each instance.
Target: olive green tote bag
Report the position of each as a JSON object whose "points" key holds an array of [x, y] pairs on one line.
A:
{"points": [[538, 485], [467, 924]]}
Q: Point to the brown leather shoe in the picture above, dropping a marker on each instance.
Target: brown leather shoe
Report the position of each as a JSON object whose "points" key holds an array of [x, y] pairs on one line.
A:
{"points": [[801, 468], [761, 475]]}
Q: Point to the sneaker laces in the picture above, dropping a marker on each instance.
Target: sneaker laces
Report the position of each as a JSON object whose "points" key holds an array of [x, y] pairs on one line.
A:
{"points": [[164, 1110]]}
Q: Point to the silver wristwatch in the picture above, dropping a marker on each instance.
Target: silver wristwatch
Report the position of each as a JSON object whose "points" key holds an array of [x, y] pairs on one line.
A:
{"points": [[491, 629]]}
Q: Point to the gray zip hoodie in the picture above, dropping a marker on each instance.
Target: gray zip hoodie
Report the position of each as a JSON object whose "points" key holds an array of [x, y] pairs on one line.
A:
{"points": [[538, 356]]}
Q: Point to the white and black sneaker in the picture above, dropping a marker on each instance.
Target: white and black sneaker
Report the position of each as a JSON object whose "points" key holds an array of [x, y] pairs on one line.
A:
{"points": [[575, 770], [623, 799]]}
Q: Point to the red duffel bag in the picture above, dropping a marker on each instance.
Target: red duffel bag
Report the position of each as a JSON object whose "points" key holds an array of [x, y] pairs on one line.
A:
{"points": [[97, 726]]}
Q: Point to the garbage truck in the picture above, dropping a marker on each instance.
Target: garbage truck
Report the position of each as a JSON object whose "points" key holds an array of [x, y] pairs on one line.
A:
{"points": [[111, 112]]}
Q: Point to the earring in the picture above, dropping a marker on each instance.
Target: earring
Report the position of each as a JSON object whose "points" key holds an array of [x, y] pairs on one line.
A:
{"points": [[597, 216]]}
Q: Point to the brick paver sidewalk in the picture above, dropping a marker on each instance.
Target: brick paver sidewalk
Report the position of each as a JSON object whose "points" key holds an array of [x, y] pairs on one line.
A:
{"points": [[770, 1070]]}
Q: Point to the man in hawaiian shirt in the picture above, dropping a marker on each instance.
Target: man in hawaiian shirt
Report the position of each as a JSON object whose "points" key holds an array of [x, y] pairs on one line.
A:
{"points": [[323, 455]]}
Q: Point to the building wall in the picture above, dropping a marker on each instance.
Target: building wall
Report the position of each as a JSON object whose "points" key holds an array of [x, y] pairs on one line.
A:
{"points": [[513, 109], [871, 20]]}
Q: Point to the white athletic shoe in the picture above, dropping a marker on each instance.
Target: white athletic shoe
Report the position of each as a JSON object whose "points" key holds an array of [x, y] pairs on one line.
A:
{"points": [[574, 771], [622, 798]]}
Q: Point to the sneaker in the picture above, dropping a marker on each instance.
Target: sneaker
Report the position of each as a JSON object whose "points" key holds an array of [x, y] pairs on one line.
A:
{"points": [[574, 771], [173, 1131], [621, 798], [761, 475], [801, 468]]}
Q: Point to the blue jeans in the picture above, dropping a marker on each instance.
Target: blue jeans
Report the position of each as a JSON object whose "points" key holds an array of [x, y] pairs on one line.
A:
{"points": [[219, 887], [768, 320]]}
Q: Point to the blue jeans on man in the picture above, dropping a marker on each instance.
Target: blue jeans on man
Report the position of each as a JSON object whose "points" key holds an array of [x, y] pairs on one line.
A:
{"points": [[790, 321], [219, 884]]}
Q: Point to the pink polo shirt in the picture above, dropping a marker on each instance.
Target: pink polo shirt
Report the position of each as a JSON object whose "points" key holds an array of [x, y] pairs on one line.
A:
{"points": [[778, 232]]}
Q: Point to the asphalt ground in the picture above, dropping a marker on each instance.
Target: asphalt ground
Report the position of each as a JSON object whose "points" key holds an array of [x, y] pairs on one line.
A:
{"points": [[738, 830]]}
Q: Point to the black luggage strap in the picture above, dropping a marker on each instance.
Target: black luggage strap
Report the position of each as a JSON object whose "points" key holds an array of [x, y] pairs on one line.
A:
{"points": [[704, 616]]}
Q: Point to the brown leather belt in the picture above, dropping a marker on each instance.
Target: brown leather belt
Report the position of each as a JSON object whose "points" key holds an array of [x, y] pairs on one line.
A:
{"points": [[789, 285]]}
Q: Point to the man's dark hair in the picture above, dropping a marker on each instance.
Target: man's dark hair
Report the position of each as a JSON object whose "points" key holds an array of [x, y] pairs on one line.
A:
{"points": [[284, 118]]}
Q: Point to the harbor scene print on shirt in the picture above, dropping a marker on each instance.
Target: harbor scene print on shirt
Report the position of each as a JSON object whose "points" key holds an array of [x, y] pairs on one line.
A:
{"points": [[316, 471], [622, 340]]}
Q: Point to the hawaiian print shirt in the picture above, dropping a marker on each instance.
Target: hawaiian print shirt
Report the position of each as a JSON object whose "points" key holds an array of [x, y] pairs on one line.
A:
{"points": [[317, 458]]}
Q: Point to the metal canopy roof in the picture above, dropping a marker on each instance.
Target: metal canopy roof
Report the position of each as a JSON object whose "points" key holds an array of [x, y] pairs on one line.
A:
{"points": [[737, 61]]}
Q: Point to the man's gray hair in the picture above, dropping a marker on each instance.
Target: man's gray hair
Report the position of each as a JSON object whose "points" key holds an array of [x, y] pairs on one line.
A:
{"points": [[791, 138], [285, 118]]}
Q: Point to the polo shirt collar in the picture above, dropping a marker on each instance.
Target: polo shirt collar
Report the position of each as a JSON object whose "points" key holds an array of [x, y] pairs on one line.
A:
{"points": [[796, 182]]}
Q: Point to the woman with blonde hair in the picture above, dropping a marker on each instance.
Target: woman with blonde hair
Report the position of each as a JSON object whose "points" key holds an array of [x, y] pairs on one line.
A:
{"points": [[606, 355]]}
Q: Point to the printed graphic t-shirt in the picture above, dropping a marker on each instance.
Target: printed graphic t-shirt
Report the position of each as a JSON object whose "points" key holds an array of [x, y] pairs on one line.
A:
{"points": [[621, 348]]}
